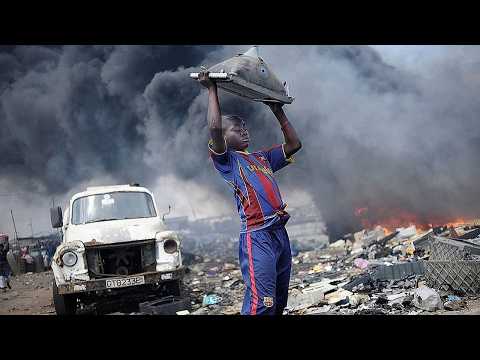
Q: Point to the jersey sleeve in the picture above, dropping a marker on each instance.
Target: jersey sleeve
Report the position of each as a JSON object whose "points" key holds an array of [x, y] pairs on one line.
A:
{"points": [[276, 157], [222, 162]]}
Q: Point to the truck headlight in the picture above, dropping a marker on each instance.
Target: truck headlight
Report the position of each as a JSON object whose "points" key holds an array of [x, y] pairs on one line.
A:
{"points": [[170, 246], [69, 258]]}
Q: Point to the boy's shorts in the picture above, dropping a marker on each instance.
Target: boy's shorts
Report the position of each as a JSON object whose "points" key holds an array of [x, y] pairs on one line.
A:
{"points": [[265, 262]]}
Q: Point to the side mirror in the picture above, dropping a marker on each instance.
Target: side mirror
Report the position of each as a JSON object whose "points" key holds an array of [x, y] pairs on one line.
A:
{"points": [[56, 217], [169, 209]]}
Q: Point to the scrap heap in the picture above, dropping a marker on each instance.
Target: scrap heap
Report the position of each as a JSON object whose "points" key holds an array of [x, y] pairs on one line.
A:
{"points": [[407, 271], [404, 272]]}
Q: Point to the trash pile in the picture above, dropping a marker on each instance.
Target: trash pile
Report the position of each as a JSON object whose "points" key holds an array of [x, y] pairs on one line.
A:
{"points": [[215, 286], [405, 272]]}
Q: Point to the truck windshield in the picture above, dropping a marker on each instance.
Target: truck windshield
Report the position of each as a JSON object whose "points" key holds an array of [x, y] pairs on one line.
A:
{"points": [[112, 206]]}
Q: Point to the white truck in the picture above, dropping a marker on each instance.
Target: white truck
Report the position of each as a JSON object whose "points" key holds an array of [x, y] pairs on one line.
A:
{"points": [[115, 249]]}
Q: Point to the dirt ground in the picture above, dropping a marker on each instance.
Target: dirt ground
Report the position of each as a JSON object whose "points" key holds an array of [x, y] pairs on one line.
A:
{"points": [[31, 294]]}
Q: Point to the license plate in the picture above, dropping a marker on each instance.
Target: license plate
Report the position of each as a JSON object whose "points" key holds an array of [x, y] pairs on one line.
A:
{"points": [[124, 282]]}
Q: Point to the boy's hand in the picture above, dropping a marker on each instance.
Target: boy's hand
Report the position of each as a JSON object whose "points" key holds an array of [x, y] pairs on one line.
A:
{"points": [[274, 106], [205, 80]]}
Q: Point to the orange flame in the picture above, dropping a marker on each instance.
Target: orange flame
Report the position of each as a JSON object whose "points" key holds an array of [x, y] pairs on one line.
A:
{"points": [[391, 219]]}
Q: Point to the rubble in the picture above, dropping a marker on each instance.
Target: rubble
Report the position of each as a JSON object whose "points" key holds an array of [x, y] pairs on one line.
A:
{"points": [[357, 299], [338, 297], [454, 303], [310, 296], [370, 273], [427, 299], [338, 244], [383, 274], [366, 276]]}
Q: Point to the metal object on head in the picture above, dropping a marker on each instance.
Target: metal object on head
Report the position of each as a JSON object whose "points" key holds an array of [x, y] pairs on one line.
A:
{"points": [[248, 75]]}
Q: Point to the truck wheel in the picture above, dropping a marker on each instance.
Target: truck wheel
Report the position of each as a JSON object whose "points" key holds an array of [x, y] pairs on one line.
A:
{"points": [[183, 289], [176, 288], [183, 292], [64, 304]]}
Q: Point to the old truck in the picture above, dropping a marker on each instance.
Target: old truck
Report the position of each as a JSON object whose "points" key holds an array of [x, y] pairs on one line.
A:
{"points": [[115, 250]]}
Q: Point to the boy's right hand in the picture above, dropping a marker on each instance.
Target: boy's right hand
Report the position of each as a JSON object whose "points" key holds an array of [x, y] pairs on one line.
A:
{"points": [[205, 80]]}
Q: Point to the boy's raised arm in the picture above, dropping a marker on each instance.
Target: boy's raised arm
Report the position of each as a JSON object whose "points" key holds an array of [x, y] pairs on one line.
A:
{"points": [[292, 142], [214, 116]]}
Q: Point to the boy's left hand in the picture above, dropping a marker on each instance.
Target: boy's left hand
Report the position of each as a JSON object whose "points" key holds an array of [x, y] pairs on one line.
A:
{"points": [[274, 106]]}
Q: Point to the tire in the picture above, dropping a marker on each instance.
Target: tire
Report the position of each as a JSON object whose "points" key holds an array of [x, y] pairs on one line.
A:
{"points": [[64, 304], [184, 294], [178, 289], [183, 290]]}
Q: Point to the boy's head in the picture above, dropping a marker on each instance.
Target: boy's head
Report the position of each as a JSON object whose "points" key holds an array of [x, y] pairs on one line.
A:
{"points": [[235, 132]]}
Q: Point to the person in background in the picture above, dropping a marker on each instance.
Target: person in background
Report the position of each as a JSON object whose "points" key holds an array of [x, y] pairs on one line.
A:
{"points": [[5, 270], [51, 247]]}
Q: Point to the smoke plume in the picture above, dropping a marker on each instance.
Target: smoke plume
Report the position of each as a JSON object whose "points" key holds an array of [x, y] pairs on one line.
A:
{"points": [[385, 131]]}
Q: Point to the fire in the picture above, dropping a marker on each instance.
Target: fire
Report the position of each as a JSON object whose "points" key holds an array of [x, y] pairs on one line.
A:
{"points": [[392, 219], [458, 222], [387, 231]]}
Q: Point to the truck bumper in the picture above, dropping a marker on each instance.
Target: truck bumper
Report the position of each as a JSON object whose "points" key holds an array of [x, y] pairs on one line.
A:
{"points": [[150, 278]]}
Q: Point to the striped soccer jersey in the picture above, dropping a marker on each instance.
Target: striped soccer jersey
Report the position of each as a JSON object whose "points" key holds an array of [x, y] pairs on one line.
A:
{"points": [[256, 192]]}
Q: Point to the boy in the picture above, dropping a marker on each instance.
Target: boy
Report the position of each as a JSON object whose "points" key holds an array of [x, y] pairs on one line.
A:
{"points": [[264, 248]]}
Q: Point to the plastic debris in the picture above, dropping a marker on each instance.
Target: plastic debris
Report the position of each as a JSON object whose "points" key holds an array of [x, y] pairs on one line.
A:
{"points": [[453, 298], [338, 244], [301, 300], [427, 299], [405, 233], [211, 299], [183, 312], [455, 305], [358, 299], [339, 296], [361, 263]]}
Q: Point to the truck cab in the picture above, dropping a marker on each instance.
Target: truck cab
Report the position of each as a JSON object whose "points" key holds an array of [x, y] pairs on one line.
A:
{"points": [[115, 249]]}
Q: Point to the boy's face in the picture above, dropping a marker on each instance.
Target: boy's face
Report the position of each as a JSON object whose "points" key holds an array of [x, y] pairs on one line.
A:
{"points": [[236, 134]]}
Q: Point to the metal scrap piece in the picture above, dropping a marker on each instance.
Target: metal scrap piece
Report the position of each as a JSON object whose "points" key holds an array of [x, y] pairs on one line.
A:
{"points": [[248, 75]]}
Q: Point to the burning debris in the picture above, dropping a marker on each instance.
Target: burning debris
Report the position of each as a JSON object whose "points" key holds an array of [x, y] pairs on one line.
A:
{"points": [[408, 271]]}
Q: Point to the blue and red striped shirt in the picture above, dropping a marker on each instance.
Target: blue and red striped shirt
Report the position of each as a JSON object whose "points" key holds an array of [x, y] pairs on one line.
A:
{"points": [[256, 192]]}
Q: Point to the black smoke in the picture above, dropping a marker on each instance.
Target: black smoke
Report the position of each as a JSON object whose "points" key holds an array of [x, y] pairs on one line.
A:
{"points": [[68, 113], [374, 135]]}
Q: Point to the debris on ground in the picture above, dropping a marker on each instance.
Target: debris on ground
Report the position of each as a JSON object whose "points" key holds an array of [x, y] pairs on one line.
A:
{"points": [[406, 272], [454, 303], [427, 299], [369, 273], [211, 300]]}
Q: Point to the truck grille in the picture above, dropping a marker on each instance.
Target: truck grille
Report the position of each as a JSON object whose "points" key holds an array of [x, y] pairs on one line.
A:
{"points": [[121, 259]]}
